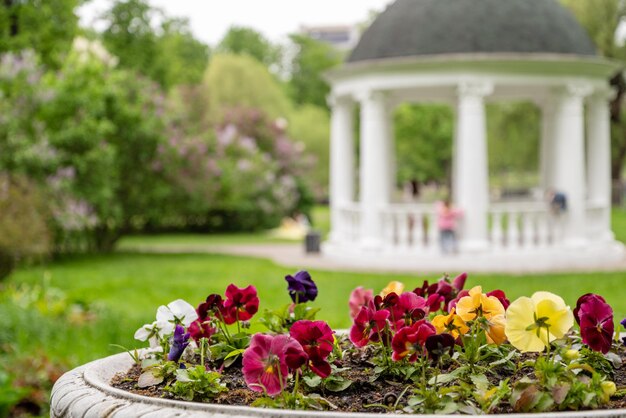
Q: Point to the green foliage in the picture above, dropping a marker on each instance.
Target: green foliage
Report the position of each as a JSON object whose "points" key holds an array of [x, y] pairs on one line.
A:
{"points": [[196, 384], [311, 60], [241, 81], [168, 54], [47, 26], [241, 40], [24, 231], [423, 142], [281, 320], [513, 138], [310, 125]]}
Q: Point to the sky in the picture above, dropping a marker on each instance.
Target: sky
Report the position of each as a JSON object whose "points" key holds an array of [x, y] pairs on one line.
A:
{"points": [[210, 19]]}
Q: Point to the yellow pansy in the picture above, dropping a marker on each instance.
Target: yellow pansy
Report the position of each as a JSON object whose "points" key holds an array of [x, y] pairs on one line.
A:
{"points": [[451, 323], [478, 304], [393, 287], [531, 323], [495, 332]]}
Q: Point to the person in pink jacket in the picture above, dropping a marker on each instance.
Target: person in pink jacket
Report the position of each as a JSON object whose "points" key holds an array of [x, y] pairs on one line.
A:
{"points": [[447, 217]]}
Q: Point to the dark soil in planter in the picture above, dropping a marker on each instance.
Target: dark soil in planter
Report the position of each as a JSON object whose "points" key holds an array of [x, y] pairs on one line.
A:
{"points": [[356, 398]]}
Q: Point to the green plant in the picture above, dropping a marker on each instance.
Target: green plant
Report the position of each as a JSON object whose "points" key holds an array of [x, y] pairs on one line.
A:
{"points": [[196, 384]]}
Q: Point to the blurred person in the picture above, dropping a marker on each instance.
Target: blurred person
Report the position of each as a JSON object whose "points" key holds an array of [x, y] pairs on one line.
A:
{"points": [[447, 217]]}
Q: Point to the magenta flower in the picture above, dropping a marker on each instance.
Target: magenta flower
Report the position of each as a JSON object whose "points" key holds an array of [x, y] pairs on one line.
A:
{"points": [[367, 324], [459, 282], [316, 339], [201, 329], [240, 304], [301, 287], [501, 297], [411, 341], [410, 308], [358, 298], [595, 318], [178, 343], [265, 366]]}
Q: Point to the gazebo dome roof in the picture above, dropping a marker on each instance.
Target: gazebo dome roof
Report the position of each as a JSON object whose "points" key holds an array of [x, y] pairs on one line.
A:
{"points": [[414, 28]]}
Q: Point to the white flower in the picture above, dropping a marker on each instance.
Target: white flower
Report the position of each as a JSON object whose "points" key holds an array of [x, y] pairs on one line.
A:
{"points": [[150, 332], [177, 312]]}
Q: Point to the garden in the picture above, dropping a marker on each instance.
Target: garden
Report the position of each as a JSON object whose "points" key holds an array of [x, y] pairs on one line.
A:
{"points": [[128, 152]]}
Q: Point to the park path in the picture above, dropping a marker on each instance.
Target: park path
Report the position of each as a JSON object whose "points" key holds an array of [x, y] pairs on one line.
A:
{"points": [[293, 255]]}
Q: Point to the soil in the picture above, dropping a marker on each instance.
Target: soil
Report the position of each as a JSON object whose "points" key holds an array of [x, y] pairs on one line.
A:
{"points": [[359, 397]]}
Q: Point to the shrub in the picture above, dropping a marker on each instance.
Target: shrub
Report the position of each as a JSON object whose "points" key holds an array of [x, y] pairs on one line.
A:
{"points": [[23, 230]]}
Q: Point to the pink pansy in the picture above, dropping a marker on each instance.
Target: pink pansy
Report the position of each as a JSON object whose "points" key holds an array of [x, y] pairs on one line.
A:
{"points": [[316, 339], [410, 341], [434, 302], [358, 298], [501, 297], [240, 304], [459, 282], [595, 318], [368, 322], [410, 308], [265, 366]]}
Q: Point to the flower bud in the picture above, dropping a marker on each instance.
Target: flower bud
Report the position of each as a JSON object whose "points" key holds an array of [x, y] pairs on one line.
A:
{"points": [[608, 388], [571, 354]]}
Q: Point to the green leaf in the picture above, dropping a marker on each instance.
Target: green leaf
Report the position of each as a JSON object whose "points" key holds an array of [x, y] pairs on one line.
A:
{"points": [[312, 381], [234, 353], [337, 384]]}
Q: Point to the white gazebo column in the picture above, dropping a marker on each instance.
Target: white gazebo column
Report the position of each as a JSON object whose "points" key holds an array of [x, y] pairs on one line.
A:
{"points": [[546, 146], [599, 161], [374, 183], [342, 167], [471, 182], [569, 160]]}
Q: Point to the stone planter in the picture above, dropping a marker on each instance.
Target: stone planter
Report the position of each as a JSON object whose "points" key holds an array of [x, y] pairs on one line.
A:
{"points": [[86, 392]]}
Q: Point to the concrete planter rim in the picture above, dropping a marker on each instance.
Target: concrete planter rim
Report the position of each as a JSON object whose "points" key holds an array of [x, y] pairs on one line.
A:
{"points": [[85, 391]]}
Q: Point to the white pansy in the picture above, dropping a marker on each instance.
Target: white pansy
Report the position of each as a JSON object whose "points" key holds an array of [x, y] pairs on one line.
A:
{"points": [[177, 312], [150, 332]]}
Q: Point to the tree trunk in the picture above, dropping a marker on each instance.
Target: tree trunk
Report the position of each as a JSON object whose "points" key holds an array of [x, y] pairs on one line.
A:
{"points": [[13, 18]]}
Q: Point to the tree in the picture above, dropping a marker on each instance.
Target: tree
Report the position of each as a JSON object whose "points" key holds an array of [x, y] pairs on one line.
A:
{"points": [[602, 19], [311, 60], [241, 81], [423, 142], [240, 40], [169, 54], [311, 125], [46, 26], [513, 139]]}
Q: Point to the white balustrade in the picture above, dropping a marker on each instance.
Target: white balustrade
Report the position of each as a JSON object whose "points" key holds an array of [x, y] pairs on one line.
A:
{"points": [[513, 226]]}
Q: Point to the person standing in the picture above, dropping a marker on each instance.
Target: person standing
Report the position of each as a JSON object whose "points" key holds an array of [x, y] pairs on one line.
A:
{"points": [[447, 217]]}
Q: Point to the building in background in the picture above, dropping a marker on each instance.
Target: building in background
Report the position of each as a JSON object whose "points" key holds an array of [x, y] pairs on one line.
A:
{"points": [[342, 37]]}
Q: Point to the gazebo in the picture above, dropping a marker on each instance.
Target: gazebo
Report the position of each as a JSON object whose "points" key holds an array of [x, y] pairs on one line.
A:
{"points": [[466, 53]]}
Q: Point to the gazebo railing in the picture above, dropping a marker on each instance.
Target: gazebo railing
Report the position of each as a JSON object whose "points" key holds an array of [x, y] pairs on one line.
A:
{"points": [[410, 227], [349, 227], [515, 226]]}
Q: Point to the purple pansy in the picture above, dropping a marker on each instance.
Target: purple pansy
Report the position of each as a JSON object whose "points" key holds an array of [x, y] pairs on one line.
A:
{"points": [[178, 343], [301, 287]]}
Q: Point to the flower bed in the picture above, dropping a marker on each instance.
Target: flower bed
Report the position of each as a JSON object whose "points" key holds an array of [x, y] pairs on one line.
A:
{"points": [[437, 349]]}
